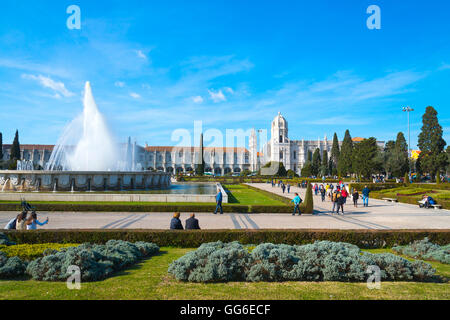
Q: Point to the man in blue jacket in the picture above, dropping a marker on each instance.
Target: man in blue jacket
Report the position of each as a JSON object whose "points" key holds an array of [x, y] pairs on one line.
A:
{"points": [[219, 199], [297, 200], [365, 194]]}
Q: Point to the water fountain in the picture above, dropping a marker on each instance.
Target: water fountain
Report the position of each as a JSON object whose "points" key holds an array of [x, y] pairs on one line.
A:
{"points": [[86, 156]]}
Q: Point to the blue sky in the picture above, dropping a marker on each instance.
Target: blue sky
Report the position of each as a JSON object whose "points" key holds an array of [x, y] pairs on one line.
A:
{"points": [[158, 66]]}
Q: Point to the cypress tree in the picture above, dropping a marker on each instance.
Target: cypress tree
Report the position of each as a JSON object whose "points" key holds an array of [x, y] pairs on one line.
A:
{"points": [[365, 157], [345, 157], [324, 167], [431, 144], [15, 148], [401, 155], [200, 170], [335, 154], [316, 162], [309, 201]]}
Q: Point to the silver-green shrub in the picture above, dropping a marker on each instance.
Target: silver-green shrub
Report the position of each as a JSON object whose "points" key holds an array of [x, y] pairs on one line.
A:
{"points": [[424, 249], [320, 261], [212, 262], [96, 262], [11, 267]]}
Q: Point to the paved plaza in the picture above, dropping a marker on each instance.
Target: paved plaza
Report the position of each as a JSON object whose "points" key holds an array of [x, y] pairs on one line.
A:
{"points": [[379, 215]]}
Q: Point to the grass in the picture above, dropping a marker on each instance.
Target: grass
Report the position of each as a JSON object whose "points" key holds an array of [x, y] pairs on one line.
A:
{"points": [[239, 194], [150, 280]]}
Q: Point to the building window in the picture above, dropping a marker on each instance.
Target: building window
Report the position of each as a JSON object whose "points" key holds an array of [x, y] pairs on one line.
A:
{"points": [[281, 139], [281, 155], [295, 155]]}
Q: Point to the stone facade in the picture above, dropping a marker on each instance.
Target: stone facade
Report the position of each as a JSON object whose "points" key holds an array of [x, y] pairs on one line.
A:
{"points": [[220, 161]]}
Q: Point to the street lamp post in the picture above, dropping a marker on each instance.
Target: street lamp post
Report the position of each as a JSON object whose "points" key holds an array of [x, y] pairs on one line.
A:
{"points": [[408, 110]]}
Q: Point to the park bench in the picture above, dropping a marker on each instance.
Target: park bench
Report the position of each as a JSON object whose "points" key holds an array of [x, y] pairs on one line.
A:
{"points": [[435, 206], [390, 200]]}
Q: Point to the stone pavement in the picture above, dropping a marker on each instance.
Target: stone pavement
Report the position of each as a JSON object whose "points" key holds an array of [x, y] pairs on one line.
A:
{"points": [[379, 215]]}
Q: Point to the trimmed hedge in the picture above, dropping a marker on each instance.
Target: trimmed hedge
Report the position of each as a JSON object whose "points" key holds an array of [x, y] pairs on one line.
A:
{"points": [[86, 207], [193, 239]]}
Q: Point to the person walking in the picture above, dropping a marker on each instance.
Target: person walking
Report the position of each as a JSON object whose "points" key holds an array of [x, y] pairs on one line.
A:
{"points": [[175, 223], [334, 198], [340, 202], [33, 222], [288, 188], [297, 200], [219, 199], [355, 198], [365, 193], [192, 223], [344, 194], [283, 187], [323, 193]]}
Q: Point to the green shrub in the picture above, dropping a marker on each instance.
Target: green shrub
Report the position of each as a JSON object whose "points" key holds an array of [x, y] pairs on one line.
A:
{"points": [[193, 239], [11, 267], [96, 262], [320, 261], [424, 249]]}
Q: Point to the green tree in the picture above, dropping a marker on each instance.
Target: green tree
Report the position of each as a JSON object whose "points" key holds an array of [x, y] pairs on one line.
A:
{"points": [[335, 153], [316, 162], [307, 169], [281, 169], [433, 159], [325, 165], [200, 169], [345, 157], [396, 155], [15, 148], [365, 157]]}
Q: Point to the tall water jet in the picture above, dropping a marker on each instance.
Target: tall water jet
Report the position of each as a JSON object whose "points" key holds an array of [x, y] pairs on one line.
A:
{"points": [[87, 143]]}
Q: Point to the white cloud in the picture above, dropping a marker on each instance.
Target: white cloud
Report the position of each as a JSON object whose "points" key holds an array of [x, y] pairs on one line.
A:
{"points": [[229, 90], [141, 54], [217, 96], [197, 99], [119, 84], [135, 95], [58, 87]]}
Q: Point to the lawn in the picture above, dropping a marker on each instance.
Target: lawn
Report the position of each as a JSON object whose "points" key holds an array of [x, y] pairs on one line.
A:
{"points": [[240, 194], [150, 280]]}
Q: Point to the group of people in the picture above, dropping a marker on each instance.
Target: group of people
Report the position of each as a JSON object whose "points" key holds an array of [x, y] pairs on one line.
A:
{"points": [[281, 185], [26, 220], [191, 223]]}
